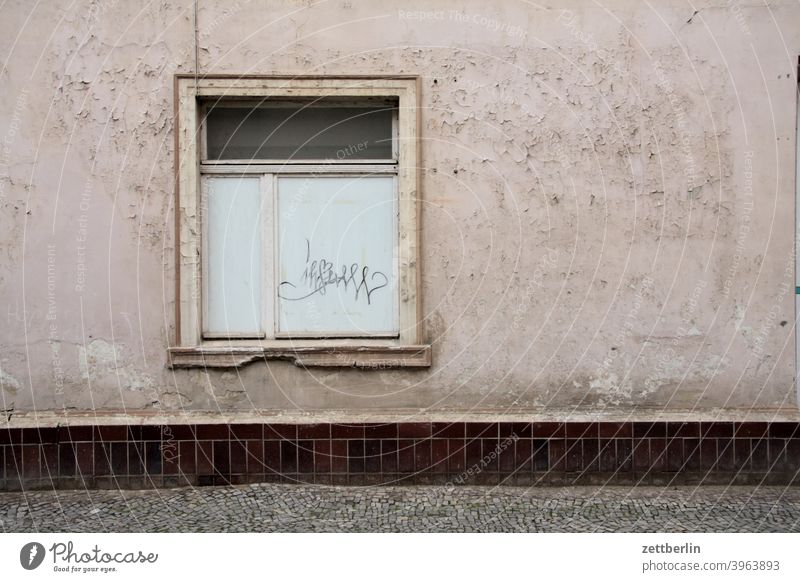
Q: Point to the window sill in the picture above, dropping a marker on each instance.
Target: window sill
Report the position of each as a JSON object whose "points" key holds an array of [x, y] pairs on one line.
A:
{"points": [[342, 356]]}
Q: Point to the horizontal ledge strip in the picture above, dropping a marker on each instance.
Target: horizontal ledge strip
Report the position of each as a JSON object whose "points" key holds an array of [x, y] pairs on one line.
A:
{"points": [[357, 356], [116, 417]]}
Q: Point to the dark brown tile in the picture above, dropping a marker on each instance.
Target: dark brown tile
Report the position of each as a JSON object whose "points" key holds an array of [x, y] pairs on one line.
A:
{"points": [[355, 456], [725, 459], [792, 456], [205, 458], [152, 432], [490, 452], [255, 457], [691, 449], [389, 456], [473, 453], [66, 460], [641, 455], [439, 454], [135, 458], [591, 454], [558, 455], [339, 456], [246, 432], [580, 430], [272, 457], [119, 458], [102, 458], [213, 432], [39, 435], [574, 450], [615, 429], [649, 429], [288, 457], [524, 455], [456, 454], [506, 456], [13, 461], [451, 430], [741, 454], [482, 429], [222, 457], [380, 431], [548, 430], [422, 455], [777, 454], [751, 429], [238, 457], [416, 430], [784, 430], [658, 454], [85, 459], [347, 431], [716, 429], [541, 454], [313, 431], [10, 436], [608, 456], [505, 430], [305, 456], [683, 429], [170, 458], [708, 454], [49, 461], [760, 455], [111, 433], [74, 433], [31, 459], [183, 432], [521, 430], [187, 457], [405, 456], [625, 454], [372, 456], [322, 456], [675, 456], [153, 458]]}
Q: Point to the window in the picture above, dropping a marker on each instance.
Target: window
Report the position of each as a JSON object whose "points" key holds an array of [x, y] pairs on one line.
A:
{"points": [[297, 222]]}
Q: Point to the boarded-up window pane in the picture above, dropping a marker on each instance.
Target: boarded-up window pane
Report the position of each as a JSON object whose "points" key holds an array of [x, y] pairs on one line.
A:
{"points": [[299, 133], [233, 231], [336, 240]]}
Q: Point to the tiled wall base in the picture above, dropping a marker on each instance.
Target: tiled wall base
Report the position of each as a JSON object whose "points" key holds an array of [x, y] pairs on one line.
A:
{"points": [[412, 453]]}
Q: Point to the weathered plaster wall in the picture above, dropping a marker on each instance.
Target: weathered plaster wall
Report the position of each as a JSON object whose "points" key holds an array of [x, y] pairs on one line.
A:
{"points": [[608, 214]]}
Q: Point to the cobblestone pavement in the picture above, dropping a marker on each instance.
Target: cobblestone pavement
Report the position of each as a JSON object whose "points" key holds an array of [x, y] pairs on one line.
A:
{"points": [[302, 508]]}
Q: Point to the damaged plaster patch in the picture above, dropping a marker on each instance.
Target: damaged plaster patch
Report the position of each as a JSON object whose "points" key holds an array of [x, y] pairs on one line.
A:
{"points": [[610, 391], [101, 361], [9, 383]]}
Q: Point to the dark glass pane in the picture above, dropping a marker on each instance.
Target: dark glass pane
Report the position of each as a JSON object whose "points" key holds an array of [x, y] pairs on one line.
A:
{"points": [[299, 133]]}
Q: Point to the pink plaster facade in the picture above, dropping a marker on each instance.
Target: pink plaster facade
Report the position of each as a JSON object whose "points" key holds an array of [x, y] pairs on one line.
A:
{"points": [[607, 205]]}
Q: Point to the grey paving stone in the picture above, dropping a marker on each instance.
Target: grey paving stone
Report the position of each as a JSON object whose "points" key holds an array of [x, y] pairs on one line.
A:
{"points": [[304, 508]]}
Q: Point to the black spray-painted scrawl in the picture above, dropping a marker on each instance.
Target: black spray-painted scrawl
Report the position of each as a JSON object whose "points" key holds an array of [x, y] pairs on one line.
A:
{"points": [[319, 274]]}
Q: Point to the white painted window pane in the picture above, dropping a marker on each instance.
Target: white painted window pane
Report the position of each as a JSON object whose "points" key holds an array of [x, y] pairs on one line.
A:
{"points": [[233, 231], [299, 133], [336, 266]]}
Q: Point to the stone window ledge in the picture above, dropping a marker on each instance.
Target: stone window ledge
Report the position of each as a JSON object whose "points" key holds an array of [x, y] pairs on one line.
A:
{"points": [[347, 356]]}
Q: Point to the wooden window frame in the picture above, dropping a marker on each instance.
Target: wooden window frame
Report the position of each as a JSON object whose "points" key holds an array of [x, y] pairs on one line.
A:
{"points": [[191, 349]]}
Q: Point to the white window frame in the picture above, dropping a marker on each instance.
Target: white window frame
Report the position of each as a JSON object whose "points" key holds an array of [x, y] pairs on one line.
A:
{"points": [[193, 347]]}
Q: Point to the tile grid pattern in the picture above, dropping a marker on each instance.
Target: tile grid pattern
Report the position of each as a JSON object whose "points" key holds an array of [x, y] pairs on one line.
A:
{"points": [[113, 457]]}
